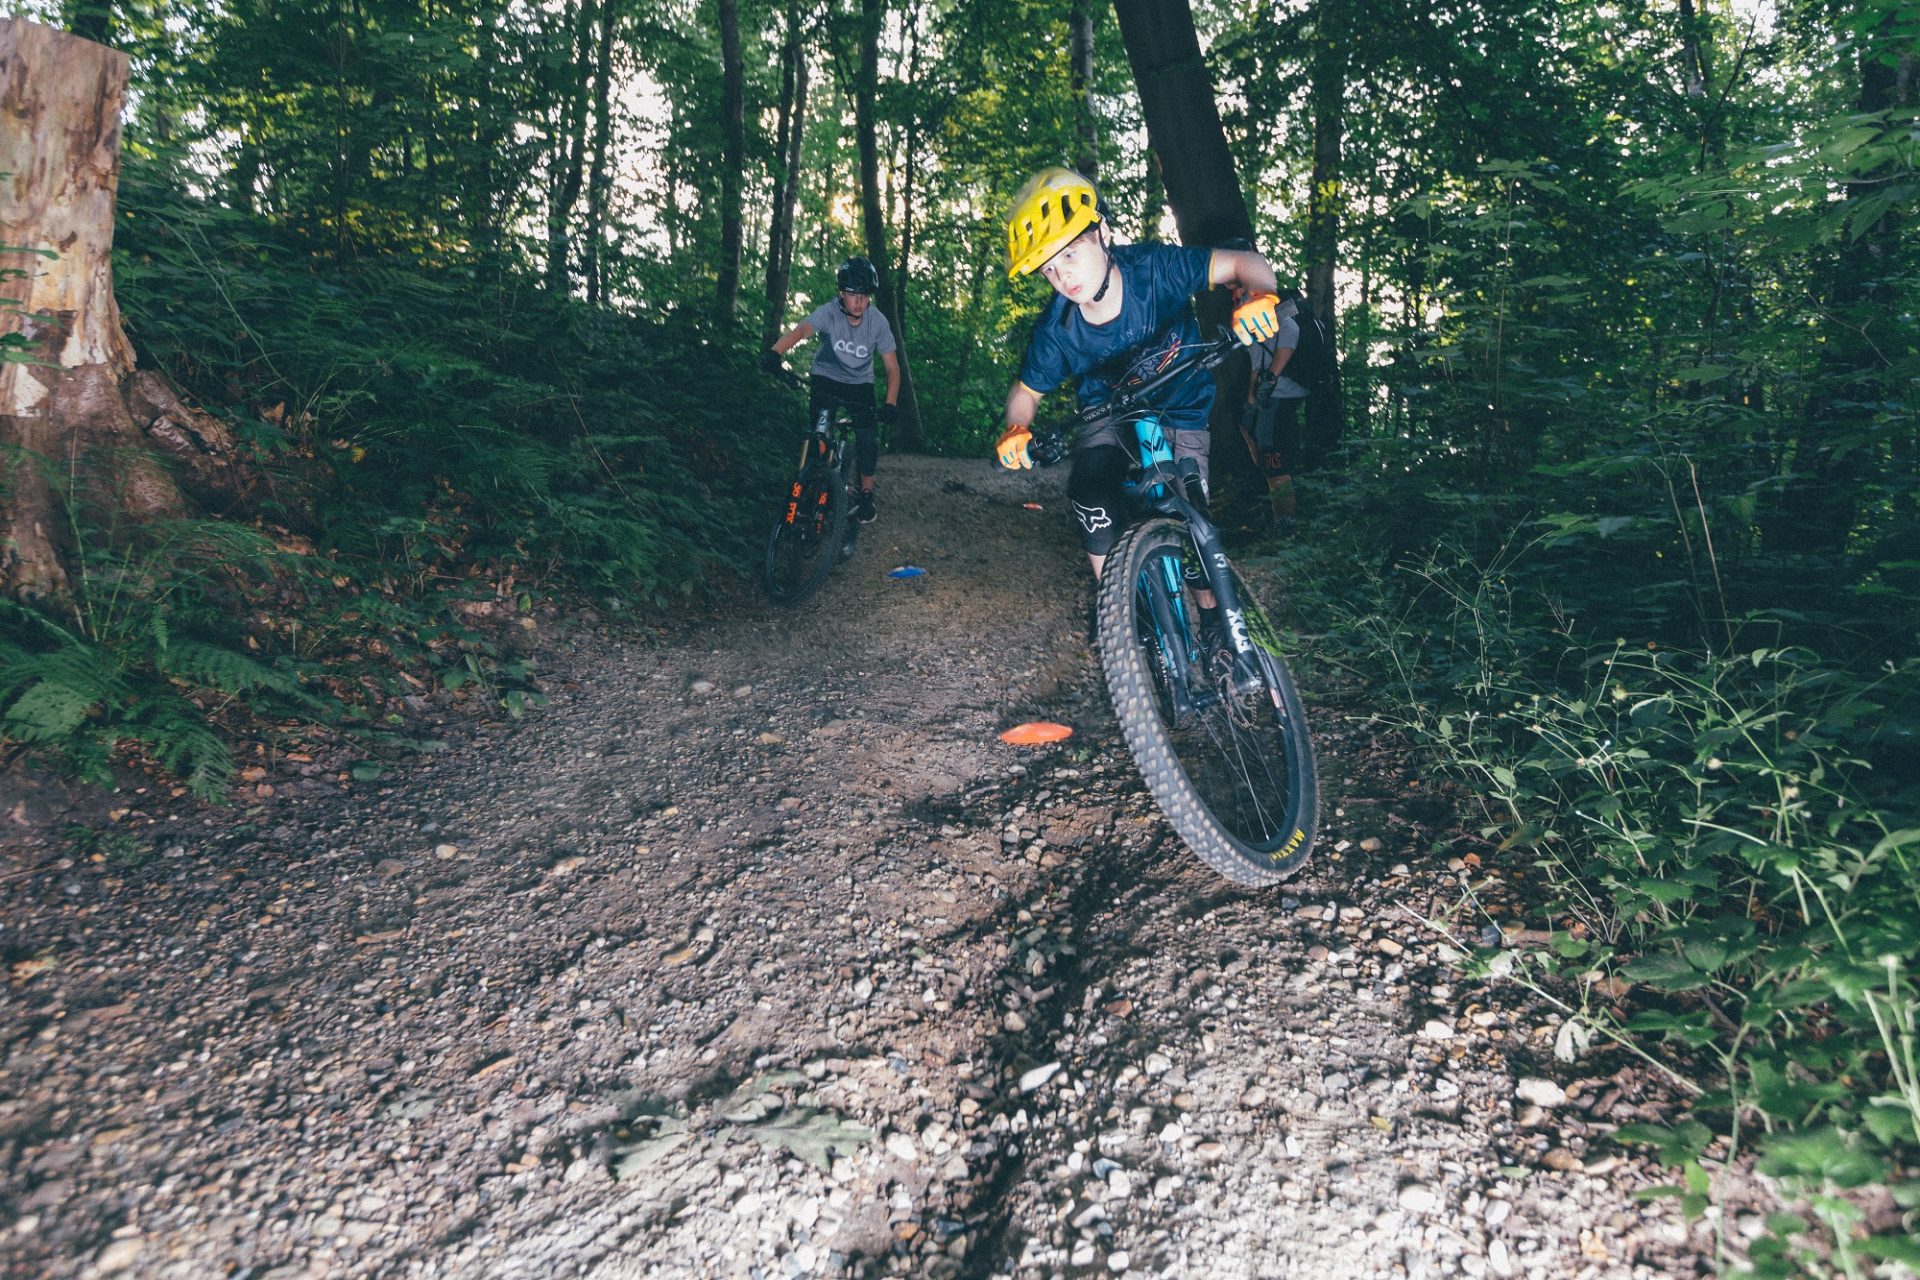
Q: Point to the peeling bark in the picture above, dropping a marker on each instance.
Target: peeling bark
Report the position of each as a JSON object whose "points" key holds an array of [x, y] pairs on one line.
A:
{"points": [[78, 424]]}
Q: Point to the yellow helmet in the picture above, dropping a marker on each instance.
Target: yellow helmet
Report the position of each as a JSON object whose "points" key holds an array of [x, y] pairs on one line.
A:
{"points": [[1055, 206]]}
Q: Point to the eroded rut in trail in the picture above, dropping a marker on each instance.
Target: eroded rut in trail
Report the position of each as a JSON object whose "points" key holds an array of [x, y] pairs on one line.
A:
{"points": [[756, 954]]}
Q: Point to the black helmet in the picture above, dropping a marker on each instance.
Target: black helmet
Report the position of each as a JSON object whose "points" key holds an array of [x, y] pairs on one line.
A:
{"points": [[856, 275]]}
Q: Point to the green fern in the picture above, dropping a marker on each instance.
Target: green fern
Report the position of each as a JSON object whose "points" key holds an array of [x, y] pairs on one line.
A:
{"points": [[211, 666]]}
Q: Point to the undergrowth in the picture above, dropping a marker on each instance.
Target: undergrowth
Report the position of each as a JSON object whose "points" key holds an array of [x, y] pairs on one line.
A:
{"points": [[1724, 808], [435, 443]]}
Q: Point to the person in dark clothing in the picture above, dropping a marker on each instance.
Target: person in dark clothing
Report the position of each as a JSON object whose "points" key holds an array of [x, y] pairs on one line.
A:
{"points": [[852, 331]]}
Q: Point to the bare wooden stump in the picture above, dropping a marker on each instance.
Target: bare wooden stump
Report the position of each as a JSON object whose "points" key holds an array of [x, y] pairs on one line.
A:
{"points": [[75, 416]]}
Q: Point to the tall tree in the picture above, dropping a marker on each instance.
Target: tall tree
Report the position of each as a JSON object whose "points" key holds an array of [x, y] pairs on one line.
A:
{"points": [[1320, 431], [866, 90], [599, 180], [1183, 122], [733, 132], [567, 160], [1086, 136], [790, 133]]}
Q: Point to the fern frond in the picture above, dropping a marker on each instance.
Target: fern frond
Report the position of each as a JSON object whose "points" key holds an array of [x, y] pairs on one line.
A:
{"points": [[210, 666]]}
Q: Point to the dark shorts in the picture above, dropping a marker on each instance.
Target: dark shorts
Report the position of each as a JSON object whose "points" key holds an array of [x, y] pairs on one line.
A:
{"points": [[1103, 453], [823, 393]]}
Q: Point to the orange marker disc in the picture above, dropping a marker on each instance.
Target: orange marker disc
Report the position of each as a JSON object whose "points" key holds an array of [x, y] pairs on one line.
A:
{"points": [[1035, 732]]}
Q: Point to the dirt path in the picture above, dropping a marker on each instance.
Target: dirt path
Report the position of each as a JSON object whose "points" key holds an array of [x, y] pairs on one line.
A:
{"points": [[759, 955]]}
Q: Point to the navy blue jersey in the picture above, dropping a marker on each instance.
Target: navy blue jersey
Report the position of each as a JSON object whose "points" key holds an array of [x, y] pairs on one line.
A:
{"points": [[1155, 322]]}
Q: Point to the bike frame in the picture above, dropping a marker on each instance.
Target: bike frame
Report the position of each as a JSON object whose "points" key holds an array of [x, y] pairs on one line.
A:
{"points": [[1161, 489]]}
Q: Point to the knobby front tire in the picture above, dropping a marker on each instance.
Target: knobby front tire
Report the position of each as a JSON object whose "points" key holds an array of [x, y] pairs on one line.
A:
{"points": [[806, 538], [1233, 771]]}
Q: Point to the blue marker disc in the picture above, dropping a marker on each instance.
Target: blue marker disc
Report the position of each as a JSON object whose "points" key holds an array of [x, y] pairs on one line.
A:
{"points": [[907, 571]]}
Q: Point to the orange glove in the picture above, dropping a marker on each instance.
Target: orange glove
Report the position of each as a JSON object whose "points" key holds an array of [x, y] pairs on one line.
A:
{"points": [[1012, 448], [1256, 318]]}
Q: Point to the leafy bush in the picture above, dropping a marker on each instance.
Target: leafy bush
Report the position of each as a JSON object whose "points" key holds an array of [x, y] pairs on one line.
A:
{"points": [[1733, 832]]}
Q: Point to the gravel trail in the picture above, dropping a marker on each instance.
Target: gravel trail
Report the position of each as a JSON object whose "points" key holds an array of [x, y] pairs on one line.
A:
{"points": [[756, 954]]}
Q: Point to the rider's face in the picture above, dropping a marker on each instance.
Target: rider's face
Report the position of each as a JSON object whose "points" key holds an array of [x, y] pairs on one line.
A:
{"points": [[1077, 270], [855, 303]]}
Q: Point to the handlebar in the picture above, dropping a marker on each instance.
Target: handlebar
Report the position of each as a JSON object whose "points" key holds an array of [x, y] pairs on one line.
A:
{"points": [[1053, 444], [1126, 400]]}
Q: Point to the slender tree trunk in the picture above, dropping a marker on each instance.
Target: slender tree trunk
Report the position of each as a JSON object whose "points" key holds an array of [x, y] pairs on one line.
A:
{"points": [[732, 157], [1322, 417], [1183, 123], [793, 124], [599, 182], [1086, 136], [570, 148], [911, 168], [80, 429], [1153, 203], [866, 88]]}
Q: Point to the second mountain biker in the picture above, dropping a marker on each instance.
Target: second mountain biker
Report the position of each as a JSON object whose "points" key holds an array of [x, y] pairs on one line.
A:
{"points": [[852, 331], [1119, 313]]}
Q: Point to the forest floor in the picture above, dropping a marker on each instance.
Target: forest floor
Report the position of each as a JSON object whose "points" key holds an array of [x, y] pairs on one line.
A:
{"points": [[755, 953]]}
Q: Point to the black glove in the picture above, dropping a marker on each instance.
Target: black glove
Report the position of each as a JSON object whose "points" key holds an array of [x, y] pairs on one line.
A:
{"points": [[889, 414], [770, 361]]}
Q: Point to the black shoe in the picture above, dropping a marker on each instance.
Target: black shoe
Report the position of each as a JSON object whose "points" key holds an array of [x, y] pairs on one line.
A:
{"points": [[863, 508]]}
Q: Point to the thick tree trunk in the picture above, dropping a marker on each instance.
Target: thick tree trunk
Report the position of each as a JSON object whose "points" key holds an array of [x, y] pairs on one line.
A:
{"points": [[866, 88], [78, 424], [1184, 130], [1183, 123], [733, 148], [1322, 418]]}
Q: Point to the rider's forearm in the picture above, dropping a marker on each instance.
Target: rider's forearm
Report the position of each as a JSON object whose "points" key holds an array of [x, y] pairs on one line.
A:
{"points": [[893, 379], [1255, 274], [1022, 404], [792, 338]]}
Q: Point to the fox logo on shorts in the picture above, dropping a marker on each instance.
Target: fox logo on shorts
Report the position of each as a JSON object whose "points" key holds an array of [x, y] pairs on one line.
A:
{"points": [[1092, 519]]}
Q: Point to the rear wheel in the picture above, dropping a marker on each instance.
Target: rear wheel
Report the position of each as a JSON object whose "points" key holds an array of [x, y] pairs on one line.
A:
{"points": [[806, 536], [1229, 762]]}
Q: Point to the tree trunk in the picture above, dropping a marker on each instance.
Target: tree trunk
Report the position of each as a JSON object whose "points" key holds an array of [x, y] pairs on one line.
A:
{"points": [[1321, 419], [733, 148], [570, 148], [1086, 135], [912, 171], [1184, 130], [908, 436], [790, 131], [1183, 124], [1153, 203], [79, 425], [599, 182]]}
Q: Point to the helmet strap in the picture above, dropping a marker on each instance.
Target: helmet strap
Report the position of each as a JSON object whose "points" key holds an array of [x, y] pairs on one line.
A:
{"points": [[1107, 279]]}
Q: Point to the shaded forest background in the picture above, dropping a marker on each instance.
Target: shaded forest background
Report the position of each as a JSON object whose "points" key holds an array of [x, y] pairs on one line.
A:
{"points": [[1618, 515]]}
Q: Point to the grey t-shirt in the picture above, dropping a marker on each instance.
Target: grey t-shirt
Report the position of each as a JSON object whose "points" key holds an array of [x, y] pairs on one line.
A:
{"points": [[1288, 337], [846, 350]]}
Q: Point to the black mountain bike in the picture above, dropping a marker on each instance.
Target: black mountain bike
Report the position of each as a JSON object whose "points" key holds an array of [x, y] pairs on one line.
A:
{"points": [[1194, 666], [815, 528]]}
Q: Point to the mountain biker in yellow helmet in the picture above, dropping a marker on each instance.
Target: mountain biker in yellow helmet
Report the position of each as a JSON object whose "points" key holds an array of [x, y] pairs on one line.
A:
{"points": [[1118, 312]]}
